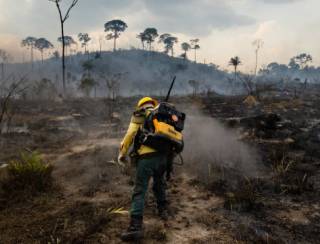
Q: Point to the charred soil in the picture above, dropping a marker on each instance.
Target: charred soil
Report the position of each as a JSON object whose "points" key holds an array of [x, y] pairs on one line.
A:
{"points": [[217, 203]]}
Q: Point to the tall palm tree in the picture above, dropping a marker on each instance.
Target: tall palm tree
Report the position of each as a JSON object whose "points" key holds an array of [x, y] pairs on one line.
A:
{"points": [[235, 62]]}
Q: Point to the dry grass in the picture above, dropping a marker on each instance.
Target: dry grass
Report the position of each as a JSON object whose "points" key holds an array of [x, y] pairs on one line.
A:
{"points": [[282, 167], [246, 197], [286, 179]]}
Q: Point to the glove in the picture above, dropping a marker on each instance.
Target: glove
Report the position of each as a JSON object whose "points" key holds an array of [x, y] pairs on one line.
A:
{"points": [[122, 161]]}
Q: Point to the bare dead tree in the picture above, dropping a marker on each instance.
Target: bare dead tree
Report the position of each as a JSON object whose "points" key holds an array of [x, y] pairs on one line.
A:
{"points": [[100, 44], [4, 56], [248, 83], [258, 44], [62, 21], [231, 84], [14, 89], [264, 88], [114, 86], [195, 86], [112, 83]]}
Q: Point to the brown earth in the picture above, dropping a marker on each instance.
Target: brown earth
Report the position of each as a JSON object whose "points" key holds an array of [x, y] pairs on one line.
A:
{"points": [[80, 137]]}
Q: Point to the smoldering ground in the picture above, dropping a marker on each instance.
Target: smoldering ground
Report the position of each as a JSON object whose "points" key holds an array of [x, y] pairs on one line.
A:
{"points": [[211, 147]]}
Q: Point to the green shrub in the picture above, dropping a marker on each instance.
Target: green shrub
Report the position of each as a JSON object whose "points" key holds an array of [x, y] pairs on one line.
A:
{"points": [[29, 174]]}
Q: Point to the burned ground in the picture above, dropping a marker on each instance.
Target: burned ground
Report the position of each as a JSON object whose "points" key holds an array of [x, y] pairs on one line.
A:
{"points": [[211, 201]]}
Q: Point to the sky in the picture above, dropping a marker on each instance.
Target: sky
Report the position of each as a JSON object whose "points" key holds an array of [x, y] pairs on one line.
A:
{"points": [[226, 28]]}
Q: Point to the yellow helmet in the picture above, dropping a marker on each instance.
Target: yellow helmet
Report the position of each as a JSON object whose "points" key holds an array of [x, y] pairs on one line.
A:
{"points": [[145, 100]]}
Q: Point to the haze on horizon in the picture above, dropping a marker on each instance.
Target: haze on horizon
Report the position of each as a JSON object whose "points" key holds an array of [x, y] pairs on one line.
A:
{"points": [[225, 28]]}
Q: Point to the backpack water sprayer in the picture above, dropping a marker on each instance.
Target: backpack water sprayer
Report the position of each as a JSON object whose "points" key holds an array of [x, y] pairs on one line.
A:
{"points": [[163, 127]]}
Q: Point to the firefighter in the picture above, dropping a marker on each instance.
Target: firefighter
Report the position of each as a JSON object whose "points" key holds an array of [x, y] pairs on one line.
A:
{"points": [[150, 163]]}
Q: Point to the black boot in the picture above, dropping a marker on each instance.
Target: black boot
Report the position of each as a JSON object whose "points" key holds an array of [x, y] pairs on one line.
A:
{"points": [[135, 231]]}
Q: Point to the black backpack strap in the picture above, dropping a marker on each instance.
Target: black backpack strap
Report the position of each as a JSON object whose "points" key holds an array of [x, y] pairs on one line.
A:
{"points": [[138, 117]]}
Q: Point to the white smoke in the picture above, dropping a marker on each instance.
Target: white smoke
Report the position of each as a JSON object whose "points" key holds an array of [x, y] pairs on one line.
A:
{"points": [[208, 142]]}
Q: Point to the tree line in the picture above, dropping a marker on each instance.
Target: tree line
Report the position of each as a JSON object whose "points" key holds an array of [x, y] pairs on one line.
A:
{"points": [[114, 29]]}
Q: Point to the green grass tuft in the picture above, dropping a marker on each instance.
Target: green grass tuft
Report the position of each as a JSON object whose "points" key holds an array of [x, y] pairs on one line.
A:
{"points": [[29, 174]]}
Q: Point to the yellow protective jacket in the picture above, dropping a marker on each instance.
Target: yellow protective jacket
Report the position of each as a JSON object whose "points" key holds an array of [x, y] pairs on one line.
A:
{"points": [[137, 121]]}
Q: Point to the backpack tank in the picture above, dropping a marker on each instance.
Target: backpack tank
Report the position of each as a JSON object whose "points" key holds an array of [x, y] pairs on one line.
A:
{"points": [[163, 128]]}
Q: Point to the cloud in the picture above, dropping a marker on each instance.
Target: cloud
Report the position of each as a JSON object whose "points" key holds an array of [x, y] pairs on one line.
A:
{"points": [[280, 1], [265, 29], [225, 27], [195, 17]]}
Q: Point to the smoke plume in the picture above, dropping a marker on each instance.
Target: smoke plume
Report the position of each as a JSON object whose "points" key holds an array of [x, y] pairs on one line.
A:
{"points": [[208, 144]]}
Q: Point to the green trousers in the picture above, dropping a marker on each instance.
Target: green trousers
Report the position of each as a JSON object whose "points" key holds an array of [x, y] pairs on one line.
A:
{"points": [[153, 165]]}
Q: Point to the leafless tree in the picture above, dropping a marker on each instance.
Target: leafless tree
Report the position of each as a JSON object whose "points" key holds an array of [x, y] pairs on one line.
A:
{"points": [[195, 86], [264, 88], [62, 21], [4, 57], [14, 89], [101, 38], [112, 83], [248, 83], [258, 44]]}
